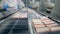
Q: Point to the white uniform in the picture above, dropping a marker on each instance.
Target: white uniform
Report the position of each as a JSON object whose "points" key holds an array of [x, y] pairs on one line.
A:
{"points": [[11, 3], [20, 3], [14, 3], [48, 3]]}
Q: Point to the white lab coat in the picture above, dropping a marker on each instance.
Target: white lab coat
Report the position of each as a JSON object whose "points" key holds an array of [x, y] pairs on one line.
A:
{"points": [[11, 3], [35, 4], [48, 3], [14, 3], [20, 3]]}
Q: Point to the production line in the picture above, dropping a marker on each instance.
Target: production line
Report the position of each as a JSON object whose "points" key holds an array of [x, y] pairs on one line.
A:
{"points": [[29, 17]]}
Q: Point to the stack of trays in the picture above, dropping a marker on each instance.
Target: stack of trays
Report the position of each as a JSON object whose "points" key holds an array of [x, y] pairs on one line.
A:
{"points": [[48, 22], [37, 23], [39, 26], [45, 25]]}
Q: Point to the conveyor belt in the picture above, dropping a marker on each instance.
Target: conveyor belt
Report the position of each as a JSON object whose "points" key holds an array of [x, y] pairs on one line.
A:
{"points": [[19, 23], [43, 25], [5, 14], [17, 26], [14, 25]]}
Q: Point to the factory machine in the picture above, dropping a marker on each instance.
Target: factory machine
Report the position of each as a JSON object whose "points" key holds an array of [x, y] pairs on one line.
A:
{"points": [[35, 17]]}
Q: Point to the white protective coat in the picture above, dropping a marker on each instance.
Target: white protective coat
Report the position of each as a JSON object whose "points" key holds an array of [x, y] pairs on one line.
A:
{"points": [[20, 3], [13, 3]]}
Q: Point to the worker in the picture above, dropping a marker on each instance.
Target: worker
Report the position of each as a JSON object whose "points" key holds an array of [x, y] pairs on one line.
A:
{"points": [[46, 6], [8, 3], [3, 5], [20, 4], [15, 4]]}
